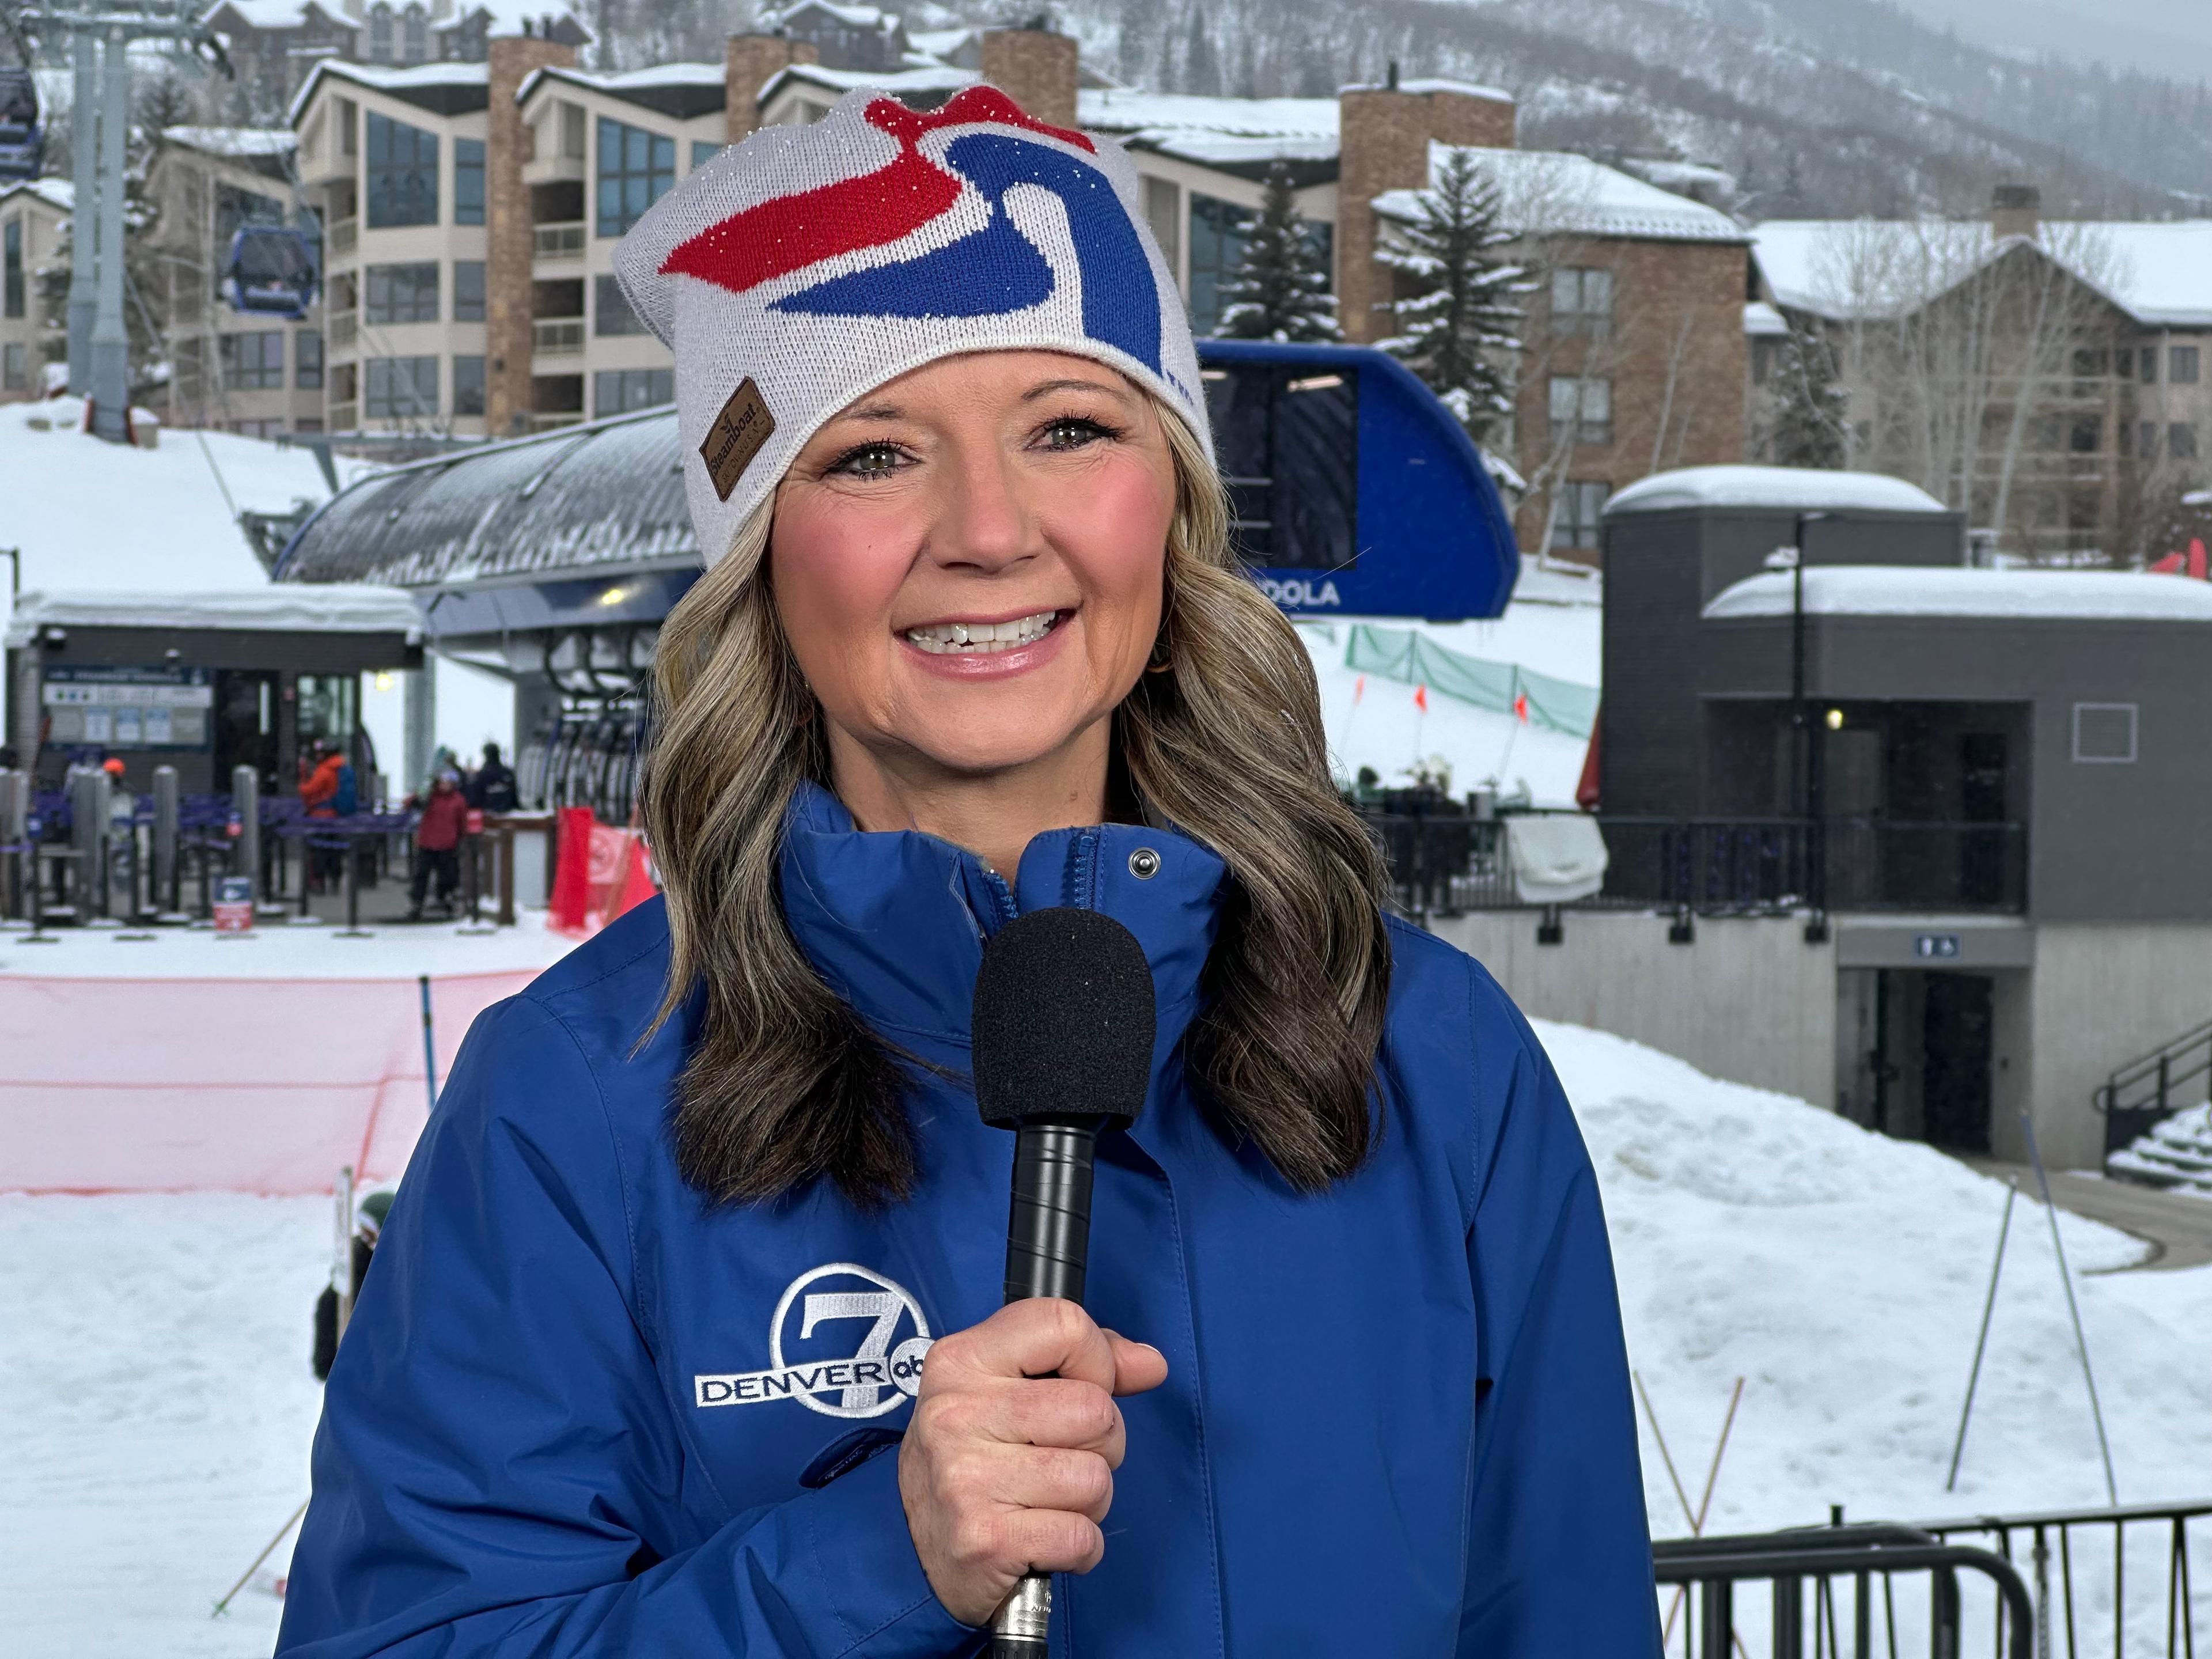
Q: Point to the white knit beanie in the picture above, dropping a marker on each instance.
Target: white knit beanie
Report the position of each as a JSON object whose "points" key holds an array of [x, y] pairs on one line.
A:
{"points": [[808, 264]]}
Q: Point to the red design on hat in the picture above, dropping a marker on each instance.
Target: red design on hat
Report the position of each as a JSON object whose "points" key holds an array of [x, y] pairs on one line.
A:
{"points": [[790, 233]]}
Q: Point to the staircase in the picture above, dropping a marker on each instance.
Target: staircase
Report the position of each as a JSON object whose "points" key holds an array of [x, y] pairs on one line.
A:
{"points": [[2158, 1122]]}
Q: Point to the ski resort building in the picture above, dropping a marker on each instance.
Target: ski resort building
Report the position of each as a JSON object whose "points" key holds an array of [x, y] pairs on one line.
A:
{"points": [[33, 218], [1861, 826]]}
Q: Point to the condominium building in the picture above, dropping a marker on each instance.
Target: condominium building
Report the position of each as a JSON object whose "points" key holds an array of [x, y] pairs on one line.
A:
{"points": [[33, 214], [275, 45]]}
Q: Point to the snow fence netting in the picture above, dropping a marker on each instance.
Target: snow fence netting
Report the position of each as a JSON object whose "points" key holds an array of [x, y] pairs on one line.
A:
{"points": [[268, 1086]]}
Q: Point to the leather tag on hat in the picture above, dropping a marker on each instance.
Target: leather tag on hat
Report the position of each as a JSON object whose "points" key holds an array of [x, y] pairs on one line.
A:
{"points": [[736, 437]]}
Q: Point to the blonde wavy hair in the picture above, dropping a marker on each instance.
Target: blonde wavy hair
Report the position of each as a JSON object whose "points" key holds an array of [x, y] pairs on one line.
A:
{"points": [[786, 1084]]}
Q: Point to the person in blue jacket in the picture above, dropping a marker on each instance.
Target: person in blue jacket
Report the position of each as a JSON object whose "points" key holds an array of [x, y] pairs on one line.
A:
{"points": [[684, 1336]]}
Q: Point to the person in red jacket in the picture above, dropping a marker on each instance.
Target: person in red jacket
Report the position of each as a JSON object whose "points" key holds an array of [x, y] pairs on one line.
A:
{"points": [[317, 788], [437, 843]]}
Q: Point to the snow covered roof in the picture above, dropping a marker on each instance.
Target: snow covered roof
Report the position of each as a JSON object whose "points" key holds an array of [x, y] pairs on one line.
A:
{"points": [[1684, 178], [58, 194], [681, 90], [1214, 131], [1887, 590], [591, 499], [514, 17], [1762, 319], [1555, 193], [1778, 489], [268, 14], [233, 141], [859, 17], [420, 83], [945, 79], [2159, 273], [338, 607], [1469, 88]]}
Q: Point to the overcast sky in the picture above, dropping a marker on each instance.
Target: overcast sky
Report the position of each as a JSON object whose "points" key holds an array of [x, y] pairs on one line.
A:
{"points": [[2169, 37]]}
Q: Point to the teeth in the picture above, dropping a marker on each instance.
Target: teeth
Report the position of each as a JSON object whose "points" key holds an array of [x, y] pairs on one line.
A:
{"points": [[939, 639]]}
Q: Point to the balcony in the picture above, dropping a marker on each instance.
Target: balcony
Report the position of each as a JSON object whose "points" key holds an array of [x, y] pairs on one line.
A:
{"points": [[557, 241], [345, 237], [557, 337], [551, 423], [345, 417], [343, 330]]}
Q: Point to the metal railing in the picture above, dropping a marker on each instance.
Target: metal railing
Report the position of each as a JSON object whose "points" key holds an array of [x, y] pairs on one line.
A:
{"points": [[2064, 1552], [345, 417], [557, 337], [343, 328], [1832, 1591], [557, 241], [2144, 1092], [345, 236]]}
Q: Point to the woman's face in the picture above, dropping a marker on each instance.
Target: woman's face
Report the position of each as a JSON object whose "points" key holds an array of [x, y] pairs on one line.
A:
{"points": [[968, 562]]}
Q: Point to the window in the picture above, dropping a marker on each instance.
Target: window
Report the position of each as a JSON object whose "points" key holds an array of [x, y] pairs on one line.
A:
{"points": [[2086, 435], [402, 389], [2105, 732], [1163, 212], [468, 181], [11, 269], [2091, 363], [468, 385], [2181, 365], [636, 168], [1582, 502], [349, 127], [1217, 248], [611, 312], [572, 131], [307, 359], [2181, 441], [234, 208], [402, 173], [2149, 356], [14, 373], [401, 293], [468, 290], [704, 150], [379, 34], [617, 390], [253, 362], [1581, 302], [415, 43], [1585, 402], [2147, 442]]}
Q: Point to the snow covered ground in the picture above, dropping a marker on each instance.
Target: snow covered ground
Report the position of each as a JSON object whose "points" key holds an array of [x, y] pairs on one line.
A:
{"points": [[1379, 725], [153, 1367], [99, 516], [289, 951]]}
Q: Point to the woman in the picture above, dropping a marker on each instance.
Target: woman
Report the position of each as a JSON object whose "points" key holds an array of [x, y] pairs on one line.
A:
{"points": [[683, 1337]]}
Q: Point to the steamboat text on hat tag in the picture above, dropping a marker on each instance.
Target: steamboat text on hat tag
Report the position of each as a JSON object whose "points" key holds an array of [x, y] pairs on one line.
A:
{"points": [[736, 437]]}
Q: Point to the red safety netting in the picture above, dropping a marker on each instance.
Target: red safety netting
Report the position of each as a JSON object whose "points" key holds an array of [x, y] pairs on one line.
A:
{"points": [[221, 1085]]}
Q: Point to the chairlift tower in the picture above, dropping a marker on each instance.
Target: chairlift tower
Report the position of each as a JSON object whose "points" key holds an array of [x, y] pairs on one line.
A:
{"points": [[99, 340]]}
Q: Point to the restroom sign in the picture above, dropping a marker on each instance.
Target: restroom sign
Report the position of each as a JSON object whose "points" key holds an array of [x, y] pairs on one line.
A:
{"points": [[1943, 946]]}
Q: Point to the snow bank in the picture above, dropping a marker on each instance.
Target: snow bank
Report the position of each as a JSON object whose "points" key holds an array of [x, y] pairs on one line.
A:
{"points": [[152, 1354]]}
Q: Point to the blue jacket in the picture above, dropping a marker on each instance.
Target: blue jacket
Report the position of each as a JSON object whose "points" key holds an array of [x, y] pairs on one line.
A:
{"points": [[580, 1413]]}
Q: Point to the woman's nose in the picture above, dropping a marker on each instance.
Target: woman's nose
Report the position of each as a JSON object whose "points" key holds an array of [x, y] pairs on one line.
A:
{"points": [[986, 522]]}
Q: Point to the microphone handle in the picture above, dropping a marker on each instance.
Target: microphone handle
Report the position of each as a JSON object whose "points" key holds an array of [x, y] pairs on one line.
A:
{"points": [[1047, 1247]]}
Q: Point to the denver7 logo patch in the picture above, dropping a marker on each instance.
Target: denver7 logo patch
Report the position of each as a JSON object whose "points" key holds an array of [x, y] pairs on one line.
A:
{"points": [[956, 174]]}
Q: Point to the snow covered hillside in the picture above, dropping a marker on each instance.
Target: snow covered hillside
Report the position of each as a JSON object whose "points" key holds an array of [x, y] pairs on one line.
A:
{"points": [[152, 1354], [90, 515], [1550, 628]]}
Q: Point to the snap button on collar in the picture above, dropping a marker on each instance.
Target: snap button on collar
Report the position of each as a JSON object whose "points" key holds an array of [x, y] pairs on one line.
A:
{"points": [[1144, 864]]}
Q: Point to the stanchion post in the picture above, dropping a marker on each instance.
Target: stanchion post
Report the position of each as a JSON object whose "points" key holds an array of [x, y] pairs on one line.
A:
{"points": [[164, 893], [505, 917], [246, 804], [342, 1272], [15, 815]]}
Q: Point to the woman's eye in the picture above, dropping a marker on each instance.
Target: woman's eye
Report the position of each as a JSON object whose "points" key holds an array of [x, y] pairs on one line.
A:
{"points": [[1074, 432], [869, 461]]}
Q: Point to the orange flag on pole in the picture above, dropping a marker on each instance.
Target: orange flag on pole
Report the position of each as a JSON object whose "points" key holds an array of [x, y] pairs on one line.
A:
{"points": [[1521, 707], [1358, 689], [1421, 698]]}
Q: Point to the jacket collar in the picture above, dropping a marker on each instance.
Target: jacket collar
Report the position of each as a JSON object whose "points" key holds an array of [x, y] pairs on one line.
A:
{"points": [[896, 921]]}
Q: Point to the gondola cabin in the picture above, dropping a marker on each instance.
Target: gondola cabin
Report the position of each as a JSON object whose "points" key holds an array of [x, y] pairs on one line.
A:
{"points": [[22, 135], [271, 271]]}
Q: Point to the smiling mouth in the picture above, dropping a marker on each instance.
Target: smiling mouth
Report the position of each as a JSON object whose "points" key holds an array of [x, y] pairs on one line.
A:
{"points": [[983, 639]]}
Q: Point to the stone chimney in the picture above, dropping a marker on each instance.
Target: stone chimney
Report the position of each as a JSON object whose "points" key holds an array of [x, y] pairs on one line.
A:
{"points": [[1036, 68], [748, 61], [1384, 137], [2015, 210], [507, 228]]}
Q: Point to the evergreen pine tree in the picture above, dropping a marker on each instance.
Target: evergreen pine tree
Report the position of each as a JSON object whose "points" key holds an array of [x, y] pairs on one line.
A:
{"points": [[1458, 326], [1201, 65], [1809, 422], [1280, 288]]}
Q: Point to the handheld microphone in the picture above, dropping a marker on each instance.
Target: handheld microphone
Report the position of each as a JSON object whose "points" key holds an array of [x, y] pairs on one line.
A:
{"points": [[1062, 1048]]}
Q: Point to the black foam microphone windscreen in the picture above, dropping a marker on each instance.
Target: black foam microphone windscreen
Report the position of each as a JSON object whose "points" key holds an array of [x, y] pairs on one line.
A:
{"points": [[1063, 1020]]}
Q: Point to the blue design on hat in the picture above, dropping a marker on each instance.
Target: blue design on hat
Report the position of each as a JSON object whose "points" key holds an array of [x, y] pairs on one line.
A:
{"points": [[997, 270]]}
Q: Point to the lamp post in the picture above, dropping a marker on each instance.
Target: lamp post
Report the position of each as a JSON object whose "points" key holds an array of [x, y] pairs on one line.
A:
{"points": [[1806, 790]]}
